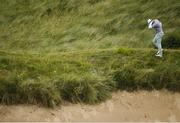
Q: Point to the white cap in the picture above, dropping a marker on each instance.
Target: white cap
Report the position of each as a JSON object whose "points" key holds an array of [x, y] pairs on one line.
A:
{"points": [[149, 20]]}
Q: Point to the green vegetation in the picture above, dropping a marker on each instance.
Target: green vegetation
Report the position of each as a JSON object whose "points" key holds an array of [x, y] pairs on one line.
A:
{"points": [[68, 25], [69, 50], [172, 40], [86, 76]]}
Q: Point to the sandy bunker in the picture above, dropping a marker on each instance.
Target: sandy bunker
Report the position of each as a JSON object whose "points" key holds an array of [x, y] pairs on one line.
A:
{"points": [[123, 106]]}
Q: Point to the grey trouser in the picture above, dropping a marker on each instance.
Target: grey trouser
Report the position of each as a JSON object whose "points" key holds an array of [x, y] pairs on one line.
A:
{"points": [[157, 40]]}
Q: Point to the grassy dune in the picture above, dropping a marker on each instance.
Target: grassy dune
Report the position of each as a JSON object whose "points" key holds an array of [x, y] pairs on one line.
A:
{"points": [[71, 25], [51, 51], [86, 76]]}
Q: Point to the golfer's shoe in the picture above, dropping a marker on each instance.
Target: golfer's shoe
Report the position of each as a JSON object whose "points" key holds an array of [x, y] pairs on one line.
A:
{"points": [[159, 52], [159, 55]]}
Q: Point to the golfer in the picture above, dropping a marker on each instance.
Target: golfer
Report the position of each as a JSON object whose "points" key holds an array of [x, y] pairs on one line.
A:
{"points": [[157, 25]]}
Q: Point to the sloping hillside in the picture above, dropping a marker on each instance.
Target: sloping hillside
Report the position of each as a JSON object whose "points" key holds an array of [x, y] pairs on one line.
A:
{"points": [[66, 25], [88, 76], [56, 50]]}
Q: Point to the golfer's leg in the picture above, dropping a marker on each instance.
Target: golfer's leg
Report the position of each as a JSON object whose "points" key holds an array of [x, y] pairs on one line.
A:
{"points": [[155, 41], [159, 39]]}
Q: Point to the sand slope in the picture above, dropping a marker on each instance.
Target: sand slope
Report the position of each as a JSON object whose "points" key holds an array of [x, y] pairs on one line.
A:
{"points": [[124, 106]]}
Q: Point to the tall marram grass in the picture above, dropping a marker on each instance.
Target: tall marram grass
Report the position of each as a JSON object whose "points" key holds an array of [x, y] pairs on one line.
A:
{"points": [[68, 25], [87, 88], [160, 78], [41, 42], [88, 77]]}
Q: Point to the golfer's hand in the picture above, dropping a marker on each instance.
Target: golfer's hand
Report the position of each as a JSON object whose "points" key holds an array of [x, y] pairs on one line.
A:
{"points": [[150, 25]]}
